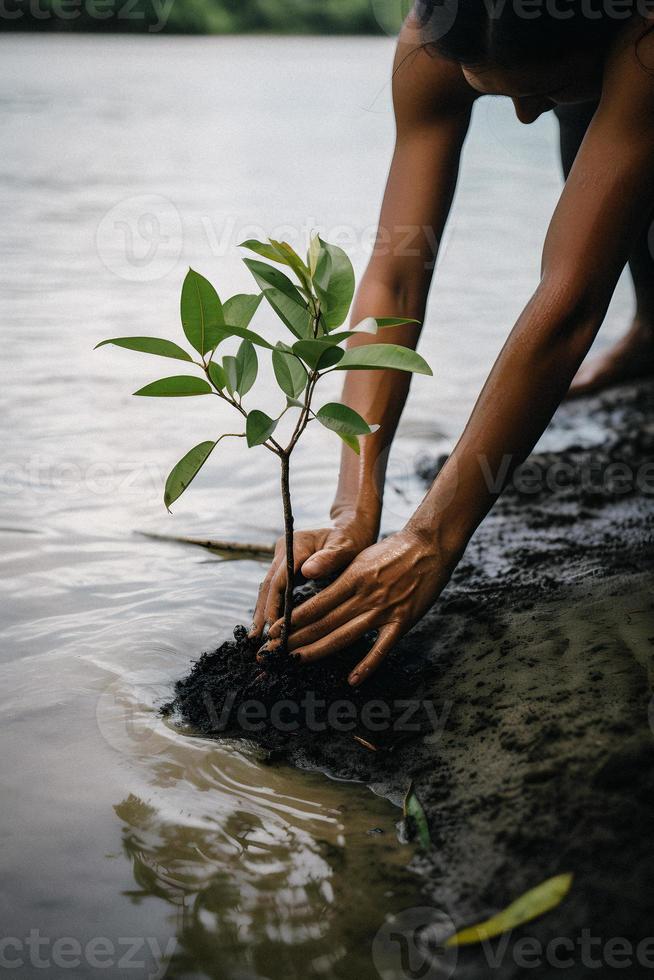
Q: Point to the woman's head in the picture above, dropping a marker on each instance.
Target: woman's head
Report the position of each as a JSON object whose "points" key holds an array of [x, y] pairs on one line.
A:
{"points": [[538, 52], [512, 33]]}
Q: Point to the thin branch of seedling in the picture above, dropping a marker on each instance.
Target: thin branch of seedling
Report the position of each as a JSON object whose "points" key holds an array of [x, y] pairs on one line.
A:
{"points": [[311, 309]]}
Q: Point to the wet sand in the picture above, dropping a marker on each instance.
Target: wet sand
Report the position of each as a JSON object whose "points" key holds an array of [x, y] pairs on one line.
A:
{"points": [[539, 657], [537, 662]]}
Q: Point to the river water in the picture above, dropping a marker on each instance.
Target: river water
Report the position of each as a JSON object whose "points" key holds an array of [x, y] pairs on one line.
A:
{"points": [[124, 161]]}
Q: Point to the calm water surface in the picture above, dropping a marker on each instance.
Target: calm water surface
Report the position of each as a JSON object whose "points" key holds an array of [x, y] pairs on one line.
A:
{"points": [[124, 161]]}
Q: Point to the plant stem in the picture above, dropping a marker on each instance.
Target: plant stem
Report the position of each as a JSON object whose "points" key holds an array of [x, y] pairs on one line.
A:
{"points": [[290, 562]]}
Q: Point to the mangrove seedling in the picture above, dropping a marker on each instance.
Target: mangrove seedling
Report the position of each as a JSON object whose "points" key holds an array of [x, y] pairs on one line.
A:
{"points": [[312, 306]]}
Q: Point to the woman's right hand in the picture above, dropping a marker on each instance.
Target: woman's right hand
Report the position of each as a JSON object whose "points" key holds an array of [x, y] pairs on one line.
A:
{"points": [[317, 554]]}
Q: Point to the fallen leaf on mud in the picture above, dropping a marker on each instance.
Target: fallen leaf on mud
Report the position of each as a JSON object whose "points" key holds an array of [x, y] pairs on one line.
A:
{"points": [[532, 904], [366, 745], [415, 817]]}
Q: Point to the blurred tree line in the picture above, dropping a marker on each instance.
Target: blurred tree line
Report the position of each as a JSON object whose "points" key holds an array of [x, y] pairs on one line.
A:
{"points": [[205, 16]]}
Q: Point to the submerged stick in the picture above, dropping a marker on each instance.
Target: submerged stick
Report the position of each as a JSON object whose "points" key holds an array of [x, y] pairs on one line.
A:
{"points": [[233, 549]]}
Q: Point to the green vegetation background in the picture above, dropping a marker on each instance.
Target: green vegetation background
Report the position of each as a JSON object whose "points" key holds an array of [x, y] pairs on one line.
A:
{"points": [[207, 16]]}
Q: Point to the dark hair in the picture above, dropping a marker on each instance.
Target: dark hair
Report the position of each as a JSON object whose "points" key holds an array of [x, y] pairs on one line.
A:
{"points": [[507, 33]]}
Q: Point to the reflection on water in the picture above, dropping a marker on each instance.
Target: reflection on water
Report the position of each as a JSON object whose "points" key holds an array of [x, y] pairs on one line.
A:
{"points": [[290, 886], [114, 825]]}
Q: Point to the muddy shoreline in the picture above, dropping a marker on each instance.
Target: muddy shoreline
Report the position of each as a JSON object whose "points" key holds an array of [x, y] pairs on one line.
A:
{"points": [[537, 661]]}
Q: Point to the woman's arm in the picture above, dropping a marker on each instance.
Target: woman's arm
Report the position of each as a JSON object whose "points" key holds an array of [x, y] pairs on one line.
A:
{"points": [[432, 104], [608, 197]]}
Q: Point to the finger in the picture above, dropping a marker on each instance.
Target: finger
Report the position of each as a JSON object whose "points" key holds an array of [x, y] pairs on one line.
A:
{"points": [[388, 635], [327, 624], [328, 561], [338, 640], [259, 619], [318, 606], [277, 590]]}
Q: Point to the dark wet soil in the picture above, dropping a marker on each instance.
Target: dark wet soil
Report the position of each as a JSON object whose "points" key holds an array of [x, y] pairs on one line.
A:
{"points": [[281, 705], [536, 665]]}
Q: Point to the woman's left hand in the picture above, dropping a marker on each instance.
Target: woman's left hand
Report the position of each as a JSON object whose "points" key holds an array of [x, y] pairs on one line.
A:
{"points": [[388, 587]]}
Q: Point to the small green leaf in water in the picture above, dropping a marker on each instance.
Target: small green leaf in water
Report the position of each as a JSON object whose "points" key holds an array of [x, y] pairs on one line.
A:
{"points": [[531, 905], [414, 814]]}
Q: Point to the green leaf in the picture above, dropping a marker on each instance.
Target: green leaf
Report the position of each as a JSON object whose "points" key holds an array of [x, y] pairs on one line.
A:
{"points": [[231, 373], [149, 345], [280, 252], [373, 324], [531, 905], [342, 419], [259, 427], [284, 297], [415, 815], [334, 284], [339, 337], [247, 367], [268, 277], [394, 321], [290, 373], [296, 318], [240, 309], [184, 472], [290, 257], [351, 441], [268, 251], [318, 354], [228, 331], [201, 312], [369, 357], [178, 387], [217, 375], [313, 254]]}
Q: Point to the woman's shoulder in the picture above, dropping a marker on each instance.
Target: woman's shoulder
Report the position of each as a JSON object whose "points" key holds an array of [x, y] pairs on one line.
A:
{"points": [[426, 85], [628, 86]]}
